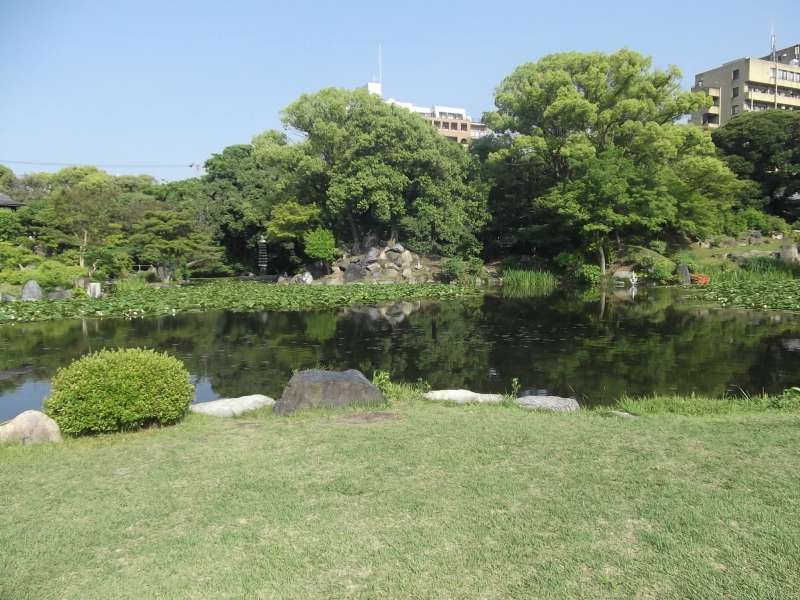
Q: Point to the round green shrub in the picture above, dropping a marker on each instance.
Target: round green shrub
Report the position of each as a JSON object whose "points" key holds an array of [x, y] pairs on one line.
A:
{"points": [[119, 390]]}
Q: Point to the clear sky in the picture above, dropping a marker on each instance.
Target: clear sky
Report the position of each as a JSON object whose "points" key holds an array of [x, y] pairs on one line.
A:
{"points": [[169, 82]]}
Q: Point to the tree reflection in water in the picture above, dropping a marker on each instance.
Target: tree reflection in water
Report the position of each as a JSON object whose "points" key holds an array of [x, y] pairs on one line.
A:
{"points": [[592, 345]]}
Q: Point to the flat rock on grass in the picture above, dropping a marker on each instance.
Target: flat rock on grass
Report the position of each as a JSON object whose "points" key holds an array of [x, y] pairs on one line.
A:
{"points": [[232, 407], [551, 403], [463, 397], [30, 427]]}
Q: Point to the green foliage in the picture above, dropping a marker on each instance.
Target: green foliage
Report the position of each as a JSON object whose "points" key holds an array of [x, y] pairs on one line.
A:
{"points": [[650, 264], [765, 146], [588, 274], [462, 271], [382, 381], [11, 228], [754, 291], [320, 244], [119, 390], [376, 168], [520, 283], [48, 273], [702, 406], [592, 155]]}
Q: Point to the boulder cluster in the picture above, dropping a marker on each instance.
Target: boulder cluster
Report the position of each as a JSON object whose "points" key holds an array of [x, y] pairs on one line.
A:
{"points": [[391, 263]]}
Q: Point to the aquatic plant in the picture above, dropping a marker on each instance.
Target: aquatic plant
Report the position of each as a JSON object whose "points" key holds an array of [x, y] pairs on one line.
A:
{"points": [[236, 296], [518, 283]]}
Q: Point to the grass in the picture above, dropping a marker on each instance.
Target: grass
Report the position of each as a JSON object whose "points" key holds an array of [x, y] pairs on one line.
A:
{"points": [[521, 283], [701, 406], [429, 501], [135, 301]]}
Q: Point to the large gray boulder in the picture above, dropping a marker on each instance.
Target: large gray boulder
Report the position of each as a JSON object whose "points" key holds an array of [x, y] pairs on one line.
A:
{"points": [[30, 427], [327, 389], [59, 294], [463, 397], [551, 403], [354, 272], [232, 407], [31, 291]]}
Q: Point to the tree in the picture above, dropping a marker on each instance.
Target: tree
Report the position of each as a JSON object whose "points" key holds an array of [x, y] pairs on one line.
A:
{"points": [[319, 243], [170, 241], [588, 153], [765, 147], [378, 170]]}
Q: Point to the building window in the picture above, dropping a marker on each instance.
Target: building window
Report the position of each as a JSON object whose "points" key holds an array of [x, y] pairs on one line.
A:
{"points": [[735, 74], [735, 93], [464, 127], [735, 109]]}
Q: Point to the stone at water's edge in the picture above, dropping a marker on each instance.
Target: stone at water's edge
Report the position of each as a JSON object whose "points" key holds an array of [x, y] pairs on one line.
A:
{"points": [[551, 403], [94, 290], [328, 389], [31, 291], [684, 276], [30, 427], [463, 397], [232, 407]]}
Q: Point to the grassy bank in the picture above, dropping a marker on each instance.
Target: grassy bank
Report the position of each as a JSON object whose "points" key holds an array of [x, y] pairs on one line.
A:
{"points": [[421, 500], [231, 295]]}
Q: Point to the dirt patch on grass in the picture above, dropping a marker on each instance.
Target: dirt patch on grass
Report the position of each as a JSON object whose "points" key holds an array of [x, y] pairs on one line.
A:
{"points": [[375, 416]]}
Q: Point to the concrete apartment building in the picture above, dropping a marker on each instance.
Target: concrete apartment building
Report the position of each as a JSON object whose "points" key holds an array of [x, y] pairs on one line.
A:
{"points": [[750, 84], [452, 122]]}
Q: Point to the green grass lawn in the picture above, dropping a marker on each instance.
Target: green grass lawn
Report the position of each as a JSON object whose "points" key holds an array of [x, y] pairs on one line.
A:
{"points": [[435, 502]]}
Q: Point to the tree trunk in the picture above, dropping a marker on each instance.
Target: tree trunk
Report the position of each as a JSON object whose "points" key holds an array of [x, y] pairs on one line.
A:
{"points": [[82, 249], [354, 230], [602, 254]]}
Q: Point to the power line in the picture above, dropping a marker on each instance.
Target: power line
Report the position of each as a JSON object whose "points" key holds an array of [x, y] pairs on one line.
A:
{"points": [[196, 166]]}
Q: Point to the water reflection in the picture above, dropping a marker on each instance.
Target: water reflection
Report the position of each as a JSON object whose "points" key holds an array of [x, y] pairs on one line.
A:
{"points": [[594, 346]]}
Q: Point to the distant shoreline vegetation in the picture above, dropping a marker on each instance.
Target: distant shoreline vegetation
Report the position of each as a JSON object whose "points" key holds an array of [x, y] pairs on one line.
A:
{"points": [[236, 296], [588, 170]]}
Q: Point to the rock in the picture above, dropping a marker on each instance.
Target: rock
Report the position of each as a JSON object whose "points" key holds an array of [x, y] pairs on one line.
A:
{"points": [[59, 294], [31, 291], [30, 427], [551, 403], [373, 254], [94, 290], [408, 273], [624, 274], [777, 236], [463, 397], [623, 415], [7, 298], [306, 277], [231, 407], [396, 248], [789, 254], [83, 282], [684, 276], [328, 389], [374, 267], [354, 272]]}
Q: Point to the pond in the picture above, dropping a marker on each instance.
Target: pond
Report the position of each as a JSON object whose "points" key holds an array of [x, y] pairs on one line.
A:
{"points": [[594, 348]]}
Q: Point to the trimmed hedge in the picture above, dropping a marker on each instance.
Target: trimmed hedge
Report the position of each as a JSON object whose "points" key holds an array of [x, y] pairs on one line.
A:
{"points": [[119, 390]]}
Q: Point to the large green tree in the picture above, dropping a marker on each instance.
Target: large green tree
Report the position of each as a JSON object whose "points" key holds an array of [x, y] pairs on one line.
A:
{"points": [[379, 170], [765, 147], [588, 153]]}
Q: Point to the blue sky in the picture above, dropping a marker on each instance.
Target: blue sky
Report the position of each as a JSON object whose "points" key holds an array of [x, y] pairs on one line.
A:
{"points": [[170, 82]]}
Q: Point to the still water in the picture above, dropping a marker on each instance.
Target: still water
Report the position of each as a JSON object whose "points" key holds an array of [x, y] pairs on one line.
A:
{"points": [[594, 349]]}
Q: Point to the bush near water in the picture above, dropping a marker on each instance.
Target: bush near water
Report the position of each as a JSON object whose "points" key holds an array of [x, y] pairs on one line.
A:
{"points": [[118, 390]]}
